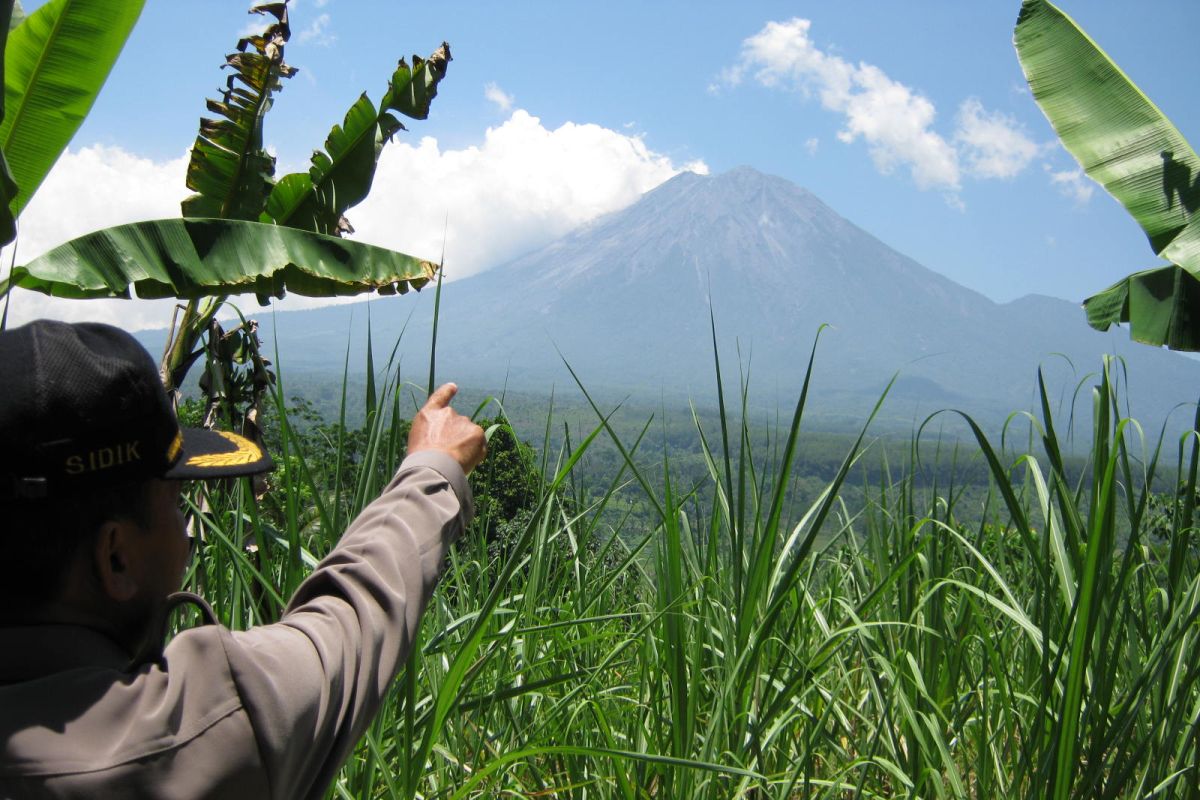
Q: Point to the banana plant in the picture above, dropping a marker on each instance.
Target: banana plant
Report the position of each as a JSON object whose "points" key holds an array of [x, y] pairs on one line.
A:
{"points": [[10, 16], [341, 177], [241, 230], [232, 176], [229, 170], [55, 61], [1126, 144]]}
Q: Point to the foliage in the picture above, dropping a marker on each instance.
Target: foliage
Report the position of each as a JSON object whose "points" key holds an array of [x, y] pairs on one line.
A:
{"points": [[238, 233], [11, 14], [232, 175], [229, 169], [192, 258], [1165, 512], [508, 482], [506, 487], [341, 176], [54, 63], [56, 60], [899, 650], [319, 459], [1124, 142]]}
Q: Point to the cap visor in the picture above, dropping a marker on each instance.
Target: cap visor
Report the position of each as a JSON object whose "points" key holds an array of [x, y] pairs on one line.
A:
{"points": [[218, 454]]}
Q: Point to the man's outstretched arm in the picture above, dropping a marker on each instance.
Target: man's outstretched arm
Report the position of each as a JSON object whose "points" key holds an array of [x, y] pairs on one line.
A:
{"points": [[313, 682]]}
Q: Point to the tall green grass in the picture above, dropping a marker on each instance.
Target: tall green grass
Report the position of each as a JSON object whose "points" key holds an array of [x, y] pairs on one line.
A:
{"points": [[743, 645]]}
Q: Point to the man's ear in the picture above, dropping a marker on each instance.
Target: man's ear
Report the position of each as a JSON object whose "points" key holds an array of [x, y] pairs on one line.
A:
{"points": [[115, 555]]}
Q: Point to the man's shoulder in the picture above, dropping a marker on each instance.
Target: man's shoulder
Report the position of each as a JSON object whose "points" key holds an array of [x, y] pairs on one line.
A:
{"points": [[96, 717]]}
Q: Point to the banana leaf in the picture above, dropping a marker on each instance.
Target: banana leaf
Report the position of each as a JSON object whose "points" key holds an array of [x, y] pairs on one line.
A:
{"points": [[190, 258], [1125, 143], [11, 15], [1161, 306], [229, 170], [341, 177], [55, 62], [412, 90]]}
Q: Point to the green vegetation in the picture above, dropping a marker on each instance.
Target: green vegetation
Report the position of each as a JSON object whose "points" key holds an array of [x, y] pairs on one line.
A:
{"points": [[292, 227], [1125, 143], [715, 610], [723, 639], [232, 175], [52, 64]]}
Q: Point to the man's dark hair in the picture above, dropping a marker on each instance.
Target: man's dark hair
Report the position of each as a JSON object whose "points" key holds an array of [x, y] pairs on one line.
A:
{"points": [[40, 538]]}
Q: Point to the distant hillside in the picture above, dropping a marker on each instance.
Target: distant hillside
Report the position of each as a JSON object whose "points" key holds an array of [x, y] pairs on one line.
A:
{"points": [[626, 300]]}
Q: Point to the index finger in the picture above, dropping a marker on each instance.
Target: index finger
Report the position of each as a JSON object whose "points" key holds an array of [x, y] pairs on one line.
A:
{"points": [[441, 396]]}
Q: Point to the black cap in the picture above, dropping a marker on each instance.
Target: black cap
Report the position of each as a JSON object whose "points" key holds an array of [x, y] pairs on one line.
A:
{"points": [[81, 407]]}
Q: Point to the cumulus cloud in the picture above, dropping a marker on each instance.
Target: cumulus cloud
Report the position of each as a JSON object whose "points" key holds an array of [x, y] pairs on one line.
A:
{"points": [[811, 144], [522, 187], [992, 143], [90, 188], [1072, 183], [895, 121], [495, 94]]}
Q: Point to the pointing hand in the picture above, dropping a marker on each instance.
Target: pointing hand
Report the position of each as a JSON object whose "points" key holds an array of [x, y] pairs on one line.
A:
{"points": [[437, 426]]}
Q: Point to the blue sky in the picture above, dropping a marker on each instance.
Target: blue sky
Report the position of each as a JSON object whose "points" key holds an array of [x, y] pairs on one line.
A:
{"points": [[910, 119]]}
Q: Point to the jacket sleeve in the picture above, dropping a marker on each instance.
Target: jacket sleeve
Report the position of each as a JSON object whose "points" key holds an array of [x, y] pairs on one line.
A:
{"points": [[312, 682]]}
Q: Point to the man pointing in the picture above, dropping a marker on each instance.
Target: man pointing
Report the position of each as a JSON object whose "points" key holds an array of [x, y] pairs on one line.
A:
{"points": [[92, 553]]}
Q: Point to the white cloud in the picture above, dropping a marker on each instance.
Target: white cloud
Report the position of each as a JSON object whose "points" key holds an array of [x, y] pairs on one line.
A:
{"points": [[897, 125], [1072, 183], [522, 187], [992, 144], [496, 95], [98, 186], [90, 188], [895, 121], [811, 144], [317, 32]]}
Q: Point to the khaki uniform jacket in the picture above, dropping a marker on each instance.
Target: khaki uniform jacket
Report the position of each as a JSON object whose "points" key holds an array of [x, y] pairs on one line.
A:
{"points": [[267, 713]]}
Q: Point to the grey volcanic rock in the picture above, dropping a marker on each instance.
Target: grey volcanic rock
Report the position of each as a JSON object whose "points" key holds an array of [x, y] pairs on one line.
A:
{"points": [[626, 301]]}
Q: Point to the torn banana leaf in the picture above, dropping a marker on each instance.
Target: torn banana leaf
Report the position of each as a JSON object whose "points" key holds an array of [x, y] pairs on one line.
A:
{"points": [[341, 176], [1161, 305], [229, 170]]}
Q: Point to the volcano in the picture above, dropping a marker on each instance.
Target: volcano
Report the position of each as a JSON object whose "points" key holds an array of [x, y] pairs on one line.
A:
{"points": [[626, 300]]}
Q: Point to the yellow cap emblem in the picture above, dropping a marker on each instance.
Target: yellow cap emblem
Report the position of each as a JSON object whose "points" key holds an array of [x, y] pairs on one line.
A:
{"points": [[247, 452]]}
